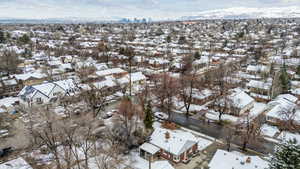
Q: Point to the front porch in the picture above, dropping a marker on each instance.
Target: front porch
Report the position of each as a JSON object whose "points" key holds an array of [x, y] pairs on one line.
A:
{"points": [[149, 152]]}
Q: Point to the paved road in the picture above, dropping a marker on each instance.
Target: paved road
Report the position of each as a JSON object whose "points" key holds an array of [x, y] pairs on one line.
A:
{"points": [[217, 131]]}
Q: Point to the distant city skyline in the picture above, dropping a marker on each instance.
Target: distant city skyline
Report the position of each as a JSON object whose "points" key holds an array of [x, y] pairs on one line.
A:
{"points": [[112, 9]]}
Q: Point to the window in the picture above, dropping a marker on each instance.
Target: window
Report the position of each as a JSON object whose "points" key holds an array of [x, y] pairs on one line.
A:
{"points": [[56, 93], [176, 158], [39, 100]]}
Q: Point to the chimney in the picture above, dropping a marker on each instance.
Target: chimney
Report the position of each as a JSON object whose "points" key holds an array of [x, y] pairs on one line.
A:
{"points": [[248, 160], [167, 136]]}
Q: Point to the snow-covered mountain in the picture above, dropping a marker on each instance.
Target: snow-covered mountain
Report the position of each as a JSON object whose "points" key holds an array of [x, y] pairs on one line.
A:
{"points": [[246, 13]]}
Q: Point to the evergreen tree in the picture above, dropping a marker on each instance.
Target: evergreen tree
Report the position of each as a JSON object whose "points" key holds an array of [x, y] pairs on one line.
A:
{"points": [[181, 40], [2, 37], [24, 39], [168, 39], [285, 80], [149, 120], [197, 55], [287, 156], [298, 70]]}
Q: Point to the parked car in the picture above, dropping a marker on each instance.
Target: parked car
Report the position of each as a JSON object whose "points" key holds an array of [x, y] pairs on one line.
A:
{"points": [[161, 115], [5, 151]]}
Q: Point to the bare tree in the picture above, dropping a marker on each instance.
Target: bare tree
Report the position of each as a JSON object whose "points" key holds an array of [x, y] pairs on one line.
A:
{"points": [[48, 135], [187, 83], [96, 99], [221, 102], [288, 119], [250, 131], [130, 116], [9, 61], [164, 92]]}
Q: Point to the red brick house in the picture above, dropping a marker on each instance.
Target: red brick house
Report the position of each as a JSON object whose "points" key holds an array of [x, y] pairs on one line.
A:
{"points": [[174, 146]]}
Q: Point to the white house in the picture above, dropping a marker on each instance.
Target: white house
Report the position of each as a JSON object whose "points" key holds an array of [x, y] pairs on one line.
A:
{"points": [[238, 102], [283, 108], [241, 101], [254, 69], [260, 90], [46, 92], [229, 160], [137, 79]]}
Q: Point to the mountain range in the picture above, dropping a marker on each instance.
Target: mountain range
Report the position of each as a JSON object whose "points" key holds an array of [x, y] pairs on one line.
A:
{"points": [[246, 13]]}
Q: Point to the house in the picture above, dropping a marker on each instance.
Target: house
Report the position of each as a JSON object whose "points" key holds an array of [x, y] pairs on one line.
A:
{"points": [[260, 90], [9, 87], [256, 69], [137, 79], [241, 102], [18, 163], [230, 160], [46, 92], [7, 104], [31, 78], [237, 102], [283, 108], [168, 144], [201, 97], [116, 72]]}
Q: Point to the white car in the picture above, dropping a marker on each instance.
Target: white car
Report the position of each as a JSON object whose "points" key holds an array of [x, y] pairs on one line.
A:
{"points": [[161, 115]]}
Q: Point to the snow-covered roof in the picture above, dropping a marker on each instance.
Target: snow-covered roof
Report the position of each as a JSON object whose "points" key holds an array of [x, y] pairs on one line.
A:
{"points": [[229, 160], [288, 97], [27, 76], [203, 94], [257, 68], [177, 142], [240, 99], [10, 82], [46, 88], [150, 148], [259, 84], [104, 83], [18, 163], [268, 130], [8, 101], [137, 76], [110, 71]]}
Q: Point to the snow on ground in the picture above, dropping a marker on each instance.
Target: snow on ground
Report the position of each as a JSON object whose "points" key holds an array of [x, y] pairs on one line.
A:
{"points": [[41, 158], [289, 136], [156, 125], [194, 107], [268, 130], [272, 140], [213, 115]]}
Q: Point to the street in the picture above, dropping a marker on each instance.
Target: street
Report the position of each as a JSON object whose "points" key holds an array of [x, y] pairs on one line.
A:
{"points": [[217, 131]]}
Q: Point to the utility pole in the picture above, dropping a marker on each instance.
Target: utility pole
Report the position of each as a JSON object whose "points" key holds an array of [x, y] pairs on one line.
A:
{"points": [[149, 162]]}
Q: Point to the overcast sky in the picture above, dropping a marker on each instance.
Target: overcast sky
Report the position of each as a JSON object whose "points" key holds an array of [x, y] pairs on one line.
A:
{"points": [[108, 9]]}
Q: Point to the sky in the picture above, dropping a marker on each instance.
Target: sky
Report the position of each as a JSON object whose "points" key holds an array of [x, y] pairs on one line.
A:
{"points": [[110, 9]]}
